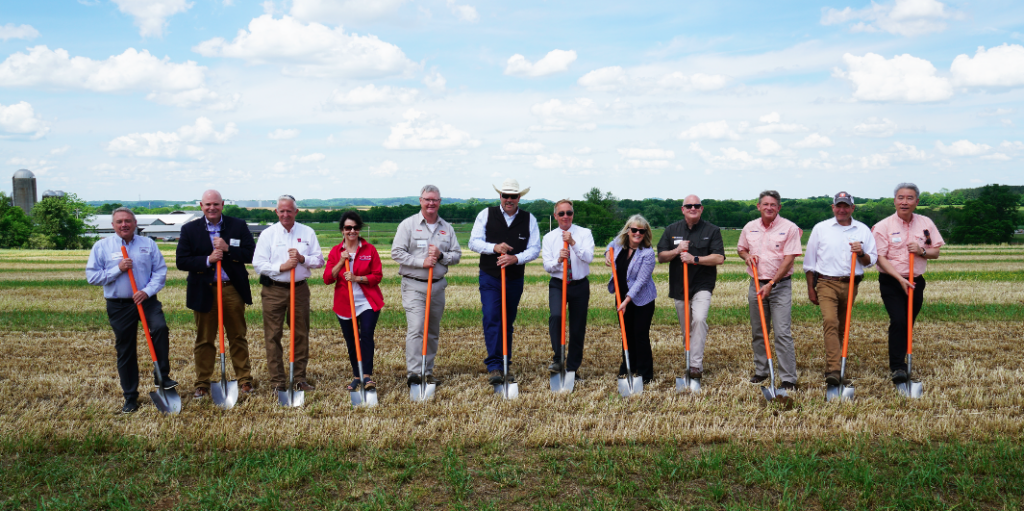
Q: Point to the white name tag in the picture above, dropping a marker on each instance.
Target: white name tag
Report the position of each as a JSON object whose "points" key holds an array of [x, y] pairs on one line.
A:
{"points": [[235, 242], [421, 243], [897, 239], [281, 244], [116, 256]]}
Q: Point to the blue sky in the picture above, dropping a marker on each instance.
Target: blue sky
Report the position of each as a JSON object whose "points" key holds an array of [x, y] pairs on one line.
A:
{"points": [[343, 98]]}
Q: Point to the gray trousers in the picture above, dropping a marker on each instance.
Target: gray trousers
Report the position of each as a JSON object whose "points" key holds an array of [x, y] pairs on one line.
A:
{"points": [[414, 300], [778, 308], [699, 306]]}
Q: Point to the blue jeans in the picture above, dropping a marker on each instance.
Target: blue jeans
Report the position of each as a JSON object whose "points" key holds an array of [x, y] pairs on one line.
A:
{"points": [[490, 298]]}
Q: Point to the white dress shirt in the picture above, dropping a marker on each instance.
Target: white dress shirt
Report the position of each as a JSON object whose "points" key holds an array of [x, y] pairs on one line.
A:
{"points": [[580, 254], [272, 251], [478, 242], [828, 248]]}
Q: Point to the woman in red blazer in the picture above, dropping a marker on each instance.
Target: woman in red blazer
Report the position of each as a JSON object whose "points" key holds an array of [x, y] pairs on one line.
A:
{"points": [[365, 274]]}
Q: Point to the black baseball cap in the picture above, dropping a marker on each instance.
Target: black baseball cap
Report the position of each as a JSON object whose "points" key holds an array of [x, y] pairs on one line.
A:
{"points": [[843, 197]]}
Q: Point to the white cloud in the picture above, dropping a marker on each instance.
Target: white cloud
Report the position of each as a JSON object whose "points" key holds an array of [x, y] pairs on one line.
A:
{"points": [[557, 161], [558, 116], [201, 97], [463, 12], [339, 12], [637, 153], [902, 78], [777, 127], [587, 150], [434, 81], [604, 79], [907, 152], [768, 147], [311, 50], [387, 168], [646, 81], [555, 61], [60, 150], [1000, 66], [371, 95], [11, 31], [21, 119], [309, 158], [523, 147], [995, 112], [420, 131], [648, 164], [715, 130], [997, 157], [962, 148], [770, 118], [731, 158], [903, 17], [1016, 145], [875, 127], [151, 15], [174, 144], [283, 134], [812, 141]]}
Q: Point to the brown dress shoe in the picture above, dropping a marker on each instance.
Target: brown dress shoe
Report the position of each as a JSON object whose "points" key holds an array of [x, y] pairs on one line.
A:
{"points": [[695, 373], [304, 386], [245, 387], [201, 393]]}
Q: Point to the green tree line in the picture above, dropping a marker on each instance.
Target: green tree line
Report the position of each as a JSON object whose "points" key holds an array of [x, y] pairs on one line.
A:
{"points": [[55, 223]]}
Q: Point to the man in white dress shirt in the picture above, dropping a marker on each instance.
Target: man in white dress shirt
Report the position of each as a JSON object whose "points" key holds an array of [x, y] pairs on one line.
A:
{"points": [[505, 237], [281, 247], [579, 254], [827, 266]]}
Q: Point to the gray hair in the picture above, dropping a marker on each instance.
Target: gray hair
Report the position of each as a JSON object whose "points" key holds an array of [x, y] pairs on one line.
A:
{"points": [[285, 197], [428, 189], [122, 209], [623, 236], [770, 193], [908, 186]]}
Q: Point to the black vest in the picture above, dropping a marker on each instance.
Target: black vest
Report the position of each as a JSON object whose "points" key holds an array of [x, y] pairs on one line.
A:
{"points": [[516, 236]]}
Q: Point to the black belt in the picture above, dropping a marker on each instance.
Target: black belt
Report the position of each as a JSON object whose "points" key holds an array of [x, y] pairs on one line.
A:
{"points": [[274, 283], [121, 300], [422, 280], [572, 282], [783, 279]]}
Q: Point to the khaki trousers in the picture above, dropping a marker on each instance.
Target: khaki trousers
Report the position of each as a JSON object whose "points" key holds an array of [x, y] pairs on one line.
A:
{"points": [[832, 298], [206, 350], [700, 304], [275, 313], [414, 300]]}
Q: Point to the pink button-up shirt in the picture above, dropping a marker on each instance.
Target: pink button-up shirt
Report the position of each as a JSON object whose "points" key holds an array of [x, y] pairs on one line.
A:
{"points": [[771, 245], [892, 235]]}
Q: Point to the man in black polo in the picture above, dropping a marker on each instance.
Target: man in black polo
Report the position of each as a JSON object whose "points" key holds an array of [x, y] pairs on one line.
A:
{"points": [[505, 237], [697, 243]]}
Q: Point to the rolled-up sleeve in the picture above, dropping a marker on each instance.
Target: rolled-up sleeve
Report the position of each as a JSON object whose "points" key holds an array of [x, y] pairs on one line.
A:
{"points": [[811, 256], [315, 257]]}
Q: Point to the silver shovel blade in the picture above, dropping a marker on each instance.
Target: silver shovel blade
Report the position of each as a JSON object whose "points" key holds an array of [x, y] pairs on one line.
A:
{"points": [[768, 393], [625, 390], [365, 398], [911, 389], [839, 392], [687, 384], [563, 382], [422, 392], [293, 398], [167, 401], [507, 390], [224, 393]]}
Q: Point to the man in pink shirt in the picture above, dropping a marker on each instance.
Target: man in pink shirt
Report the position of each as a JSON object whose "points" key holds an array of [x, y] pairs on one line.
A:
{"points": [[772, 243], [900, 237]]}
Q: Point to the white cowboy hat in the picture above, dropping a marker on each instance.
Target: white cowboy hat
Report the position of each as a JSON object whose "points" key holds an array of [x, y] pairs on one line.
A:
{"points": [[511, 187]]}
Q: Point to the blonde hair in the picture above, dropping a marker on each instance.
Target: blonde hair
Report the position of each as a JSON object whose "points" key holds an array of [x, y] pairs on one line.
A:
{"points": [[623, 236], [563, 201]]}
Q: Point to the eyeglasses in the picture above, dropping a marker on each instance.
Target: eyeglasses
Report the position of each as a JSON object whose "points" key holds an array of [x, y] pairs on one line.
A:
{"points": [[691, 206], [431, 201], [510, 196], [348, 228], [565, 213], [634, 230]]}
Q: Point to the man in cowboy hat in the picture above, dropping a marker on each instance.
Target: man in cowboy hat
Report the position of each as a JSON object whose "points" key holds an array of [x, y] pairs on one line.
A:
{"points": [[505, 237]]}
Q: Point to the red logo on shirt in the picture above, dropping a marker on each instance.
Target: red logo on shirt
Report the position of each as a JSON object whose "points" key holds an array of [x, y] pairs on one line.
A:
{"points": [[442, 232], [300, 240]]}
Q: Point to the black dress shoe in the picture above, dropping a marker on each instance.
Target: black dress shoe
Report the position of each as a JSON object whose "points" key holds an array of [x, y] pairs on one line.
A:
{"points": [[788, 385], [832, 380], [758, 379], [494, 377], [129, 407], [431, 380], [413, 379], [168, 384], [899, 376], [555, 367]]}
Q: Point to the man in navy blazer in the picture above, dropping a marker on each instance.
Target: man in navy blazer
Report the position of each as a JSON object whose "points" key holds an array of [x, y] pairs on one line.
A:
{"points": [[204, 242]]}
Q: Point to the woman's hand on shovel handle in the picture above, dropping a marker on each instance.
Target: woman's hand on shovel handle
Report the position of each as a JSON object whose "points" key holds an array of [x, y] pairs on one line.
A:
{"points": [[622, 306], [907, 285]]}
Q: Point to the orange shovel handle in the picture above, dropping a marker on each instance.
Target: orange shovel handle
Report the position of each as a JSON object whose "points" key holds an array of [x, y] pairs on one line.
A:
{"points": [[686, 302], [142, 315], [352, 307], [618, 301], [849, 303], [291, 320], [504, 317], [220, 307], [565, 288], [910, 310], [426, 320], [760, 312]]}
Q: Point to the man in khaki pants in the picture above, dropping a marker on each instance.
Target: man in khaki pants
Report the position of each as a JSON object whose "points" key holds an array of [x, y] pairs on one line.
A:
{"points": [[204, 242], [422, 241], [282, 247], [827, 265]]}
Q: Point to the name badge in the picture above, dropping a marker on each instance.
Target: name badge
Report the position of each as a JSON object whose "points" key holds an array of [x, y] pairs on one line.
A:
{"points": [[421, 243], [116, 256], [676, 240], [235, 242], [280, 244], [897, 239]]}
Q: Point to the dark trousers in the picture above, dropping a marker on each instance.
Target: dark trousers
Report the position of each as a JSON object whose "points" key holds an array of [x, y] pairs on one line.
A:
{"points": [[124, 319], [638, 336], [895, 301], [577, 302], [490, 299], [367, 325]]}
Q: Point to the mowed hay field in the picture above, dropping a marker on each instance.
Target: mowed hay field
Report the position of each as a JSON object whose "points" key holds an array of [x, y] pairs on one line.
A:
{"points": [[63, 445]]}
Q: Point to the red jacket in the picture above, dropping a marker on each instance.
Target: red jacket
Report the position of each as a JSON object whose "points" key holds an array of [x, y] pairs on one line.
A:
{"points": [[367, 264]]}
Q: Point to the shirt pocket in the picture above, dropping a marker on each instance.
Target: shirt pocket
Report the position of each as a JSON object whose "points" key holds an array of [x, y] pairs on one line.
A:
{"points": [[420, 241]]}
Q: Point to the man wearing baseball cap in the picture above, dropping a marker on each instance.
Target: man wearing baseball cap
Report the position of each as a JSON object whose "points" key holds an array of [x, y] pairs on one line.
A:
{"points": [[827, 266], [505, 237]]}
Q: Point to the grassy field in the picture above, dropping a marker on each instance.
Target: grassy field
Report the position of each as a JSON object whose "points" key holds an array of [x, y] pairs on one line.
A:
{"points": [[63, 447]]}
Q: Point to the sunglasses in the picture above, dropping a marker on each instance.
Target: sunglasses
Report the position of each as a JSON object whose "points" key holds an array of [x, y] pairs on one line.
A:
{"points": [[691, 206], [348, 228], [565, 213], [927, 237], [634, 230], [510, 196]]}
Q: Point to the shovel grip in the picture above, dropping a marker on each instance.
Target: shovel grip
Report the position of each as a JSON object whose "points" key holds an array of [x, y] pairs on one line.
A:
{"points": [[142, 314], [565, 289], [220, 308], [355, 324], [426, 319], [618, 302], [291, 318], [760, 312], [849, 303]]}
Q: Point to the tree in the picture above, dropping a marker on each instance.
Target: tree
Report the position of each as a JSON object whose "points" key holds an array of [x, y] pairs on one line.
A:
{"points": [[108, 208], [990, 218], [15, 225], [56, 220]]}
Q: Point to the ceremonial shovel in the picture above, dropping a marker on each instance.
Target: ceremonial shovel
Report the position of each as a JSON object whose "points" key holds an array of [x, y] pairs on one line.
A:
{"points": [[361, 396], [770, 392], [910, 388], [506, 389], [564, 380], [631, 385], [224, 393], [686, 383], [168, 403], [423, 391], [291, 397], [841, 391]]}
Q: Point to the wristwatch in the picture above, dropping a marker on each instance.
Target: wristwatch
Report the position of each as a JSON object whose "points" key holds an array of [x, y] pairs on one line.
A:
{"points": [[696, 259]]}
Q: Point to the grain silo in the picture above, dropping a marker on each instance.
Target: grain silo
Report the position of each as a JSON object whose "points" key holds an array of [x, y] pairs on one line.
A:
{"points": [[24, 190]]}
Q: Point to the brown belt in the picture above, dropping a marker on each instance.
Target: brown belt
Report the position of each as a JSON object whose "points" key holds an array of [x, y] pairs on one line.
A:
{"points": [[836, 279]]}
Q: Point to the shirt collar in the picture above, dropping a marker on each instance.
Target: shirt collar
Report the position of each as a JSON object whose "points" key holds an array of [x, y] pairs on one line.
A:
{"points": [[508, 215], [217, 225]]}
